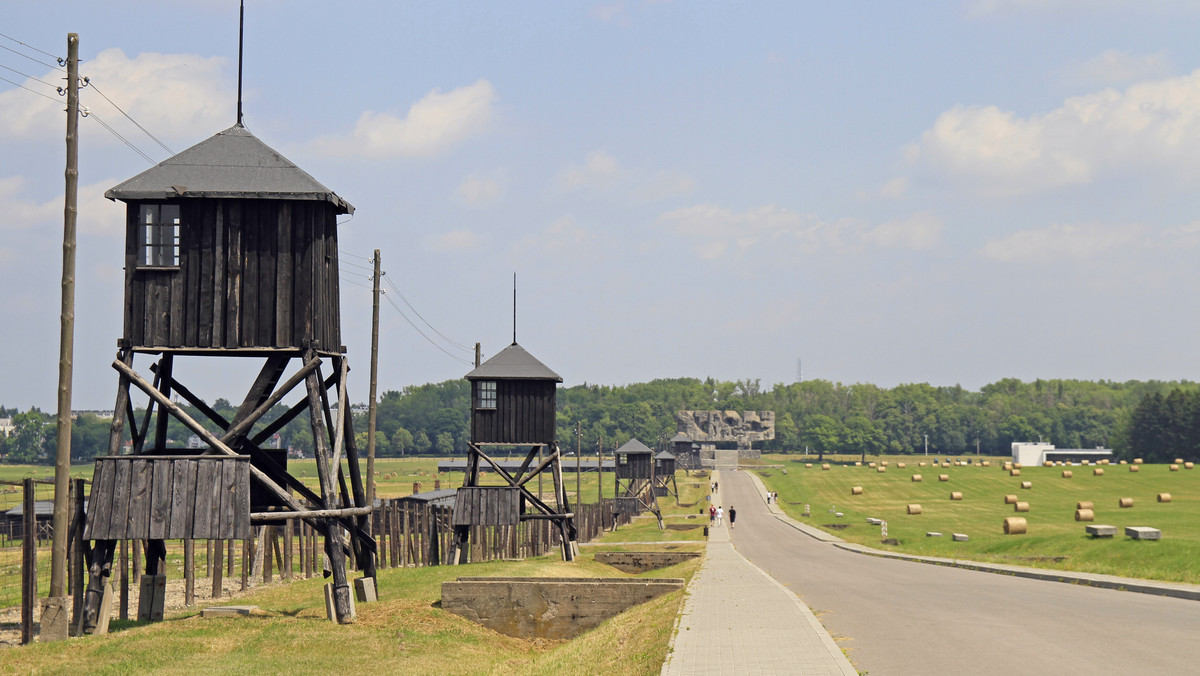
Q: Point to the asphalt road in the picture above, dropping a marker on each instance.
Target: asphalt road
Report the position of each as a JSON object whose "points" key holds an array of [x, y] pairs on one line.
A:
{"points": [[900, 617]]}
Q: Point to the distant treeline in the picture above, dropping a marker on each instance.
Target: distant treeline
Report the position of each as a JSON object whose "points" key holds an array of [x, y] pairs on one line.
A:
{"points": [[1155, 420]]}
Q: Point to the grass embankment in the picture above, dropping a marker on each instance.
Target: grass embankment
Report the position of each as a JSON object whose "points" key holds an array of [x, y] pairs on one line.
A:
{"points": [[1054, 540], [406, 632]]}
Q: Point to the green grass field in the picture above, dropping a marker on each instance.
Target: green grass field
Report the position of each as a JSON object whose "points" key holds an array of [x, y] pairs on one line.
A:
{"points": [[406, 632], [1054, 538]]}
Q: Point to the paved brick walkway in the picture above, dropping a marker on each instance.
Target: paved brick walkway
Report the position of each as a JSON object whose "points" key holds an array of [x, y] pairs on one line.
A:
{"points": [[739, 620]]}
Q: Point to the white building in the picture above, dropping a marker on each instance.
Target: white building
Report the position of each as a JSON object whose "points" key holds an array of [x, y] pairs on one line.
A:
{"points": [[1033, 453]]}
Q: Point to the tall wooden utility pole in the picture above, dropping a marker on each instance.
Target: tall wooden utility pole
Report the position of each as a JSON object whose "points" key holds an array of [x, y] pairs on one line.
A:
{"points": [[54, 612], [371, 410]]}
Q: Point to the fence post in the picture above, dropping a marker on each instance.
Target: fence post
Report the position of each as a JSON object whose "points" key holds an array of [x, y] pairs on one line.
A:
{"points": [[78, 553], [217, 569], [189, 572], [123, 562], [28, 561]]}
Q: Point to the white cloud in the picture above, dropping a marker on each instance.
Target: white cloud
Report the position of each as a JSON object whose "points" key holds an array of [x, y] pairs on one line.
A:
{"points": [[1148, 127], [716, 231], [919, 231], [171, 95], [895, 187], [610, 12], [599, 169], [94, 216], [455, 240], [1063, 242], [665, 184], [478, 190], [1115, 67], [20, 213], [433, 125], [563, 241]]}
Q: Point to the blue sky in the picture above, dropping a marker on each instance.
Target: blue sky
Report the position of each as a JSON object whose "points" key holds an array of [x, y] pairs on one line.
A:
{"points": [[944, 192]]}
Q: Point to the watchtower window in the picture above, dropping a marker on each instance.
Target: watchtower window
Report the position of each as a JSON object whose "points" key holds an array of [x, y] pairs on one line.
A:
{"points": [[158, 235], [487, 394]]}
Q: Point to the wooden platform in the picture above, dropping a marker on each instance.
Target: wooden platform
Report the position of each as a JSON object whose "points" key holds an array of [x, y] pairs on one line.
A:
{"points": [[169, 497]]}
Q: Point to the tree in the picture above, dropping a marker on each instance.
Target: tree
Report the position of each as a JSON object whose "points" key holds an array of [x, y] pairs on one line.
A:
{"points": [[445, 444], [421, 443], [27, 444], [401, 442]]}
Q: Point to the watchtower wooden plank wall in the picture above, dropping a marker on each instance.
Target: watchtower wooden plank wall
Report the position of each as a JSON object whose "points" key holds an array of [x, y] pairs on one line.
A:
{"points": [[231, 251], [254, 273]]}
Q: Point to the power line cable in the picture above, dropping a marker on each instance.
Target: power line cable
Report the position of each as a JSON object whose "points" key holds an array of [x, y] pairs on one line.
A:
{"points": [[26, 56], [118, 135], [42, 51], [18, 84], [27, 75], [431, 326], [422, 334], [135, 122]]}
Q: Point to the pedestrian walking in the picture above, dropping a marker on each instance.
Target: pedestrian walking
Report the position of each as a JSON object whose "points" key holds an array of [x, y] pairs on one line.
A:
{"points": [[720, 515], [732, 516], [712, 514]]}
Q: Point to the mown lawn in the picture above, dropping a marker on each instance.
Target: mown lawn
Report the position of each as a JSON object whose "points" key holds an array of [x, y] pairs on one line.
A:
{"points": [[1054, 538]]}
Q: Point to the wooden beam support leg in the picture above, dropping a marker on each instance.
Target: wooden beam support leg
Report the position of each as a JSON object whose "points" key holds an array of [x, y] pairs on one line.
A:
{"points": [[333, 540], [100, 570]]}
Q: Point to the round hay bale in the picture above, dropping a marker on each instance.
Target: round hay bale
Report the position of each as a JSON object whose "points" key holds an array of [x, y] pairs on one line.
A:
{"points": [[1015, 525], [1178, 461], [1084, 504], [1134, 468], [1014, 472], [1138, 461], [808, 465], [1047, 464], [1188, 465], [1016, 465], [883, 463], [956, 495], [1021, 507], [1010, 499], [943, 477], [1085, 515], [945, 464], [1173, 468], [901, 465], [1085, 462], [1164, 497], [880, 470], [857, 463], [870, 464], [986, 463], [1124, 462], [825, 466], [1105, 461], [1125, 503], [856, 490], [921, 464], [914, 509], [916, 478], [1026, 485], [1008, 466], [1098, 472], [1067, 474]]}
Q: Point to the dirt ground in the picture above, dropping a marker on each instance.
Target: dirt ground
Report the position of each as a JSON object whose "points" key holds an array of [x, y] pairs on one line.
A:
{"points": [[10, 618]]}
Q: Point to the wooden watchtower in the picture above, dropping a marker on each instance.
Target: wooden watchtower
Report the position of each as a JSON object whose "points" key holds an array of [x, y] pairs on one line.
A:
{"points": [[686, 451], [634, 477], [231, 251], [512, 405], [664, 475]]}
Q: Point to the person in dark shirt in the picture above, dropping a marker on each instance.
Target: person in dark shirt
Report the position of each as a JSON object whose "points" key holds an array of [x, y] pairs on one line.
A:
{"points": [[732, 516]]}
